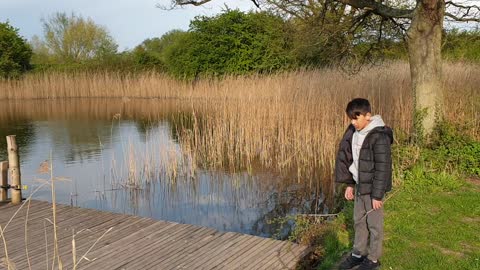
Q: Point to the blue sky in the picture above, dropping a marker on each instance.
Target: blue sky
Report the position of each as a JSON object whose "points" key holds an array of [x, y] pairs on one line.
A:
{"points": [[128, 21]]}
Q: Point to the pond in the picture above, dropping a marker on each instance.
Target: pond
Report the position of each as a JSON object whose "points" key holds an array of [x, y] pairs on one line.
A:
{"points": [[123, 156]]}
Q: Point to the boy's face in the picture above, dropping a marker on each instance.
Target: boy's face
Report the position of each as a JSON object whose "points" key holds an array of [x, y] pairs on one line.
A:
{"points": [[362, 121]]}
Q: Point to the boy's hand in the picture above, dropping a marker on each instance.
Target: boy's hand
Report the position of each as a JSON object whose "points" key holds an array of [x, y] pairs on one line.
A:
{"points": [[376, 204], [349, 193]]}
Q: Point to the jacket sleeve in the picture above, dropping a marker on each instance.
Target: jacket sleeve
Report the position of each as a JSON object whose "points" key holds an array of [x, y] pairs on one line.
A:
{"points": [[383, 166], [343, 160]]}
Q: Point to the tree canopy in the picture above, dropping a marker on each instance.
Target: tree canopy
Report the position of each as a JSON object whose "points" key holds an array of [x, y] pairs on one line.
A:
{"points": [[232, 42], [73, 38], [15, 53], [151, 53]]}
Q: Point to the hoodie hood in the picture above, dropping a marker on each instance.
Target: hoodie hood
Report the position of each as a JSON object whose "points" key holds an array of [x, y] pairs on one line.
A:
{"points": [[377, 125], [375, 121]]}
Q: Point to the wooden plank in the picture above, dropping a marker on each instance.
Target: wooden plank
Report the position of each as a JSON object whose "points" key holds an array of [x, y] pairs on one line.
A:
{"points": [[38, 229], [247, 255], [285, 258], [65, 246], [272, 256], [8, 210], [117, 234], [212, 240], [243, 245], [116, 251], [66, 223], [252, 242], [64, 234], [35, 212], [240, 261], [37, 221], [190, 253], [137, 243], [82, 241], [167, 254], [264, 256], [15, 233], [159, 251], [208, 250], [140, 251]]}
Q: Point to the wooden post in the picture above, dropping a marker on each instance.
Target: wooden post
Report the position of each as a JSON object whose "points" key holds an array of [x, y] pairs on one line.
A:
{"points": [[4, 181], [14, 168]]}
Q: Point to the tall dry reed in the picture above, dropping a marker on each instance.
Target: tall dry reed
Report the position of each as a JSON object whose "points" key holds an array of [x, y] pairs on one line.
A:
{"points": [[289, 122]]}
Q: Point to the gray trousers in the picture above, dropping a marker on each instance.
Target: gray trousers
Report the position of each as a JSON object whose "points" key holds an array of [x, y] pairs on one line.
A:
{"points": [[367, 226]]}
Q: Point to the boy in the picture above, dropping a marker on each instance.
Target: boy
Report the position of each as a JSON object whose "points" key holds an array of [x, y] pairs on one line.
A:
{"points": [[364, 163]]}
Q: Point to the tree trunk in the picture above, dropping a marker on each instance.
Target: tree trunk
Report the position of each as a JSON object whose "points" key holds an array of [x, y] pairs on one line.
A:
{"points": [[424, 49]]}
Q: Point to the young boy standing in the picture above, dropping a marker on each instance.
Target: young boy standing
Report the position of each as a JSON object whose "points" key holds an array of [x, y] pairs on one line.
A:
{"points": [[364, 163]]}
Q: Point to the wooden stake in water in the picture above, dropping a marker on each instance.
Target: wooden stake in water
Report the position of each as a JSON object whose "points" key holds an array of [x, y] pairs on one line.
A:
{"points": [[14, 168], [4, 181]]}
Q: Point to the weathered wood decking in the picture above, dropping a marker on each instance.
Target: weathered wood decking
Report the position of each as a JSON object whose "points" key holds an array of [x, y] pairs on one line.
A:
{"points": [[133, 242]]}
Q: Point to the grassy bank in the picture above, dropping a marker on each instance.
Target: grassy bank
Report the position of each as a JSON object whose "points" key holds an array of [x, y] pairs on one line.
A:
{"points": [[433, 222], [432, 215], [434, 228]]}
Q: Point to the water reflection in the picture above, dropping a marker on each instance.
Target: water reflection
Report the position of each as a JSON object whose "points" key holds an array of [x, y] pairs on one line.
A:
{"points": [[25, 136], [118, 156]]}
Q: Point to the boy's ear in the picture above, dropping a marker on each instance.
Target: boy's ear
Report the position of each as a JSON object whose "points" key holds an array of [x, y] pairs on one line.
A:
{"points": [[368, 116]]}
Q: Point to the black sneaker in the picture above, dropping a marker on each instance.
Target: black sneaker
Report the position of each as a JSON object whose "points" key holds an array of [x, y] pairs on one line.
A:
{"points": [[367, 264], [350, 262]]}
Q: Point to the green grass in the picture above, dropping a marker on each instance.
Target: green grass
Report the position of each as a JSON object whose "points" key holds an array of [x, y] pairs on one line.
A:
{"points": [[337, 239], [433, 229], [433, 223], [432, 219]]}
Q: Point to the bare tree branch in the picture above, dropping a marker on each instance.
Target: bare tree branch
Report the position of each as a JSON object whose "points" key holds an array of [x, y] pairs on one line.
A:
{"points": [[455, 11], [461, 18], [462, 13], [191, 2], [380, 9], [451, 3], [199, 2], [402, 26]]}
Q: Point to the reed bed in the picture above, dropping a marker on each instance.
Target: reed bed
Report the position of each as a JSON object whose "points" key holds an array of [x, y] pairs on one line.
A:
{"points": [[289, 123]]}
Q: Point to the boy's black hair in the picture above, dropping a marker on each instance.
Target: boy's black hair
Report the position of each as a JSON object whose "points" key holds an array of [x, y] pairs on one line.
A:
{"points": [[358, 106]]}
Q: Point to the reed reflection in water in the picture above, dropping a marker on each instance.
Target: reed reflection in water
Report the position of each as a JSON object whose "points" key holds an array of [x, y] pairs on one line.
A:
{"points": [[124, 156]]}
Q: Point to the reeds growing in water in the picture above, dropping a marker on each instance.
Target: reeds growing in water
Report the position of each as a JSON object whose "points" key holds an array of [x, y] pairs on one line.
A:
{"points": [[289, 123]]}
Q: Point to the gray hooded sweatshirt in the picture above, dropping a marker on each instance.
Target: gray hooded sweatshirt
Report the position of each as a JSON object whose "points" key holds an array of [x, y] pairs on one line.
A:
{"points": [[357, 141]]}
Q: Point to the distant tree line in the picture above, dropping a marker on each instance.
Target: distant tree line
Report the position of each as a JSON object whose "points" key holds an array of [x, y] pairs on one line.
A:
{"points": [[15, 53], [232, 42]]}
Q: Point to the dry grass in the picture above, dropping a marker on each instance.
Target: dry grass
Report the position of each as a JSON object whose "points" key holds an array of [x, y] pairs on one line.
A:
{"points": [[289, 123], [55, 261]]}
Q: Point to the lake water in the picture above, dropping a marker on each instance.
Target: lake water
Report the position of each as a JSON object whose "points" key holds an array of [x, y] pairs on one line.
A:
{"points": [[98, 146]]}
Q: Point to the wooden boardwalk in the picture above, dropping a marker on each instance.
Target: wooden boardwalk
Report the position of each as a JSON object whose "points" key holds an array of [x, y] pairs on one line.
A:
{"points": [[131, 243]]}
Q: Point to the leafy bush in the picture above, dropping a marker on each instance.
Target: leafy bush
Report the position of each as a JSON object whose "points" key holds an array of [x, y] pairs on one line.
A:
{"points": [[453, 150], [422, 178], [439, 165], [230, 43], [462, 45], [15, 53]]}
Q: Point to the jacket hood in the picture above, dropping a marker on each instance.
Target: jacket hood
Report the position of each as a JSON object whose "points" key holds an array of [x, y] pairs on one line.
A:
{"points": [[375, 121], [377, 125]]}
